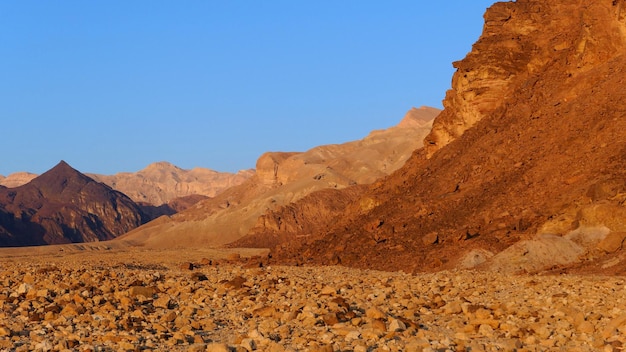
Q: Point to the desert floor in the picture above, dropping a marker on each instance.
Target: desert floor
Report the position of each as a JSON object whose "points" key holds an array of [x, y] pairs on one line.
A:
{"points": [[99, 298]]}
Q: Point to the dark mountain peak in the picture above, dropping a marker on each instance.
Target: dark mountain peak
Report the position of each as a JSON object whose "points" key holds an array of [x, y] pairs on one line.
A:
{"points": [[63, 205], [62, 168], [59, 178]]}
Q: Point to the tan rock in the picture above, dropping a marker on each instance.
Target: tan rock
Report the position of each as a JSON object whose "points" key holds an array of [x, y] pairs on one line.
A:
{"points": [[265, 312], [163, 301], [141, 291], [612, 242], [327, 291], [396, 325], [430, 238], [375, 313], [612, 327], [586, 327]]}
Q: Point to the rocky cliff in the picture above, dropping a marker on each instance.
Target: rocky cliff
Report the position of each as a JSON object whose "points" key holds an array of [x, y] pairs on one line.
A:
{"points": [[283, 178], [64, 206], [523, 170]]}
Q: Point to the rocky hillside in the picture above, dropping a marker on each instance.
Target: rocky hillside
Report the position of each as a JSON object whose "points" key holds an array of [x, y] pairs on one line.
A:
{"points": [[523, 170], [64, 206], [283, 178], [160, 183]]}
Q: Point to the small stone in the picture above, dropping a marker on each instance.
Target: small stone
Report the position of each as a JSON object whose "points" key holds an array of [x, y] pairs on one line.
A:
{"points": [[430, 238], [396, 325], [328, 290], [233, 257], [375, 313], [586, 327], [217, 347], [187, 266], [612, 242], [248, 344], [485, 330], [169, 317], [197, 276], [162, 302], [453, 307], [265, 312], [23, 288], [147, 292]]}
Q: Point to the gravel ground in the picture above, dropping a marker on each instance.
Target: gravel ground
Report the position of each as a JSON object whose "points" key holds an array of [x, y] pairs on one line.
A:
{"points": [[173, 300]]}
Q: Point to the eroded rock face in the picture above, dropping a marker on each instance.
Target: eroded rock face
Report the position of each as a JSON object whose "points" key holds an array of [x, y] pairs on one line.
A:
{"points": [[533, 136], [162, 182], [62, 206], [520, 41]]}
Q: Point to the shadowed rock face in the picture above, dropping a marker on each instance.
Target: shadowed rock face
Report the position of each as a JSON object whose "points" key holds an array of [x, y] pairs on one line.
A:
{"points": [[62, 206], [531, 145]]}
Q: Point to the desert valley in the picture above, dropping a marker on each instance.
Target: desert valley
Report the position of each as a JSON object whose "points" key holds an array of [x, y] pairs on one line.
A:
{"points": [[495, 224]]}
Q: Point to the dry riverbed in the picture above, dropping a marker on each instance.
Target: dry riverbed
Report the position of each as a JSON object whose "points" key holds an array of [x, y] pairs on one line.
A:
{"points": [[112, 300]]}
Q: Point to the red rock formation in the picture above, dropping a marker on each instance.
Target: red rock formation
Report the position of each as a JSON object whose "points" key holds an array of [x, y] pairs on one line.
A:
{"points": [[534, 124]]}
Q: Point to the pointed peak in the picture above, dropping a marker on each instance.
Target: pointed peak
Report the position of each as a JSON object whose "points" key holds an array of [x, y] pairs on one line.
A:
{"points": [[419, 116], [62, 167], [60, 174], [63, 164]]}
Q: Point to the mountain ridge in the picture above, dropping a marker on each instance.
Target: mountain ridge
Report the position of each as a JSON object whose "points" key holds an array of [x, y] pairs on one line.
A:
{"points": [[282, 178]]}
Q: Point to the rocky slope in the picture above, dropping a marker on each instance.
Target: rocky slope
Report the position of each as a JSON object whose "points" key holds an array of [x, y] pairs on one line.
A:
{"points": [[523, 170], [62, 206], [160, 183], [282, 178]]}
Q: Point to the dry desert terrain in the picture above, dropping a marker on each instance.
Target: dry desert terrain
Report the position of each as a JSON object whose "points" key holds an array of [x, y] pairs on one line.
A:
{"points": [[98, 298]]}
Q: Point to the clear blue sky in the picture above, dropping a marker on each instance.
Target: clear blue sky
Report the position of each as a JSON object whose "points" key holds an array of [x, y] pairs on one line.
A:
{"points": [[112, 86]]}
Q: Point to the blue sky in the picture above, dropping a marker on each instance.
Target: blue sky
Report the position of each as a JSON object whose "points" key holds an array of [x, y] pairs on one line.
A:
{"points": [[112, 86]]}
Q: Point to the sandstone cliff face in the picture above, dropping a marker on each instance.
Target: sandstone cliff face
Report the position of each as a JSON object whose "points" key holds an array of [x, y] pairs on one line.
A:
{"points": [[283, 178], [532, 135], [162, 182], [64, 206], [520, 41]]}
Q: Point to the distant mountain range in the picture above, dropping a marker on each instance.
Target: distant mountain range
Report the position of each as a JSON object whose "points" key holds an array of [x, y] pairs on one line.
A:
{"points": [[65, 206], [158, 184]]}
